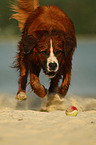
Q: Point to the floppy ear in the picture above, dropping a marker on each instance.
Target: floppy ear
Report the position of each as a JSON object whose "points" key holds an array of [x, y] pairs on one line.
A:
{"points": [[29, 42], [69, 46]]}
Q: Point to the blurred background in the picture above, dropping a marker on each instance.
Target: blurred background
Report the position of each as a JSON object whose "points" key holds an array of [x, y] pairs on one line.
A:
{"points": [[83, 14]]}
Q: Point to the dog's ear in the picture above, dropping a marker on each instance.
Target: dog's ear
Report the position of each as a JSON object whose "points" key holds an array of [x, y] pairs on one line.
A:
{"points": [[30, 41], [69, 46]]}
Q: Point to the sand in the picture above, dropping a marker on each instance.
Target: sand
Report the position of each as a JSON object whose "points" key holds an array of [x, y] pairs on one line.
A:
{"points": [[22, 123]]}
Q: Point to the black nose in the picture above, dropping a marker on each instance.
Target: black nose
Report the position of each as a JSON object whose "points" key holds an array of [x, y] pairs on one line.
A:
{"points": [[52, 66]]}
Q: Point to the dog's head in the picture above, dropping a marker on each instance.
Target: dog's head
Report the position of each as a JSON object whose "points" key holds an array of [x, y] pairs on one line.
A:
{"points": [[51, 49]]}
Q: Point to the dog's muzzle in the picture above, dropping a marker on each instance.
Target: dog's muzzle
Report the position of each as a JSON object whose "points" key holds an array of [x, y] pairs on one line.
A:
{"points": [[52, 69], [52, 63]]}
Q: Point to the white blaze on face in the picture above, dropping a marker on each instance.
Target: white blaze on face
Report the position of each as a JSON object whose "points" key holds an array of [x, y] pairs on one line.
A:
{"points": [[52, 58]]}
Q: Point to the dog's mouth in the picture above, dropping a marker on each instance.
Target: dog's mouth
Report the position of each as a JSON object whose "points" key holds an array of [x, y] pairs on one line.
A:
{"points": [[51, 74]]}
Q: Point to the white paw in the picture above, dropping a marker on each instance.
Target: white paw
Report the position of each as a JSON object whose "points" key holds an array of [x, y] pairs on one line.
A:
{"points": [[21, 96]]}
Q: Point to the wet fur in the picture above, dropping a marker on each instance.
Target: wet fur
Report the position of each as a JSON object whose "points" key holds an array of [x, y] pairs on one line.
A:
{"points": [[38, 24]]}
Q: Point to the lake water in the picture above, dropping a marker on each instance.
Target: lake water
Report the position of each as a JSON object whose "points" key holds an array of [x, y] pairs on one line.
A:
{"points": [[83, 80]]}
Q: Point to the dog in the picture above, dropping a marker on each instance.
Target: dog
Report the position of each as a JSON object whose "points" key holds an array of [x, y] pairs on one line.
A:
{"points": [[48, 42]]}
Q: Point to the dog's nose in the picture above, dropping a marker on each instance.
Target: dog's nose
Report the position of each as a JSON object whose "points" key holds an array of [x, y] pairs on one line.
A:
{"points": [[52, 66]]}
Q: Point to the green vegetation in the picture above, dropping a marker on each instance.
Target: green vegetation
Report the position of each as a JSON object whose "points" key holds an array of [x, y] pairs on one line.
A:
{"points": [[82, 13]]}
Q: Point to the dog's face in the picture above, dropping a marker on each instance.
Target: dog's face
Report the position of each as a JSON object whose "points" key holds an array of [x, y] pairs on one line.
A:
{"points": [[50, 53], [49, 49]]}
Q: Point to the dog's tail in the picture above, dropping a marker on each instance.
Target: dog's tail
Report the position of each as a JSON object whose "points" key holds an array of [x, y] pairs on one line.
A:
{"points": [[23, 8]]}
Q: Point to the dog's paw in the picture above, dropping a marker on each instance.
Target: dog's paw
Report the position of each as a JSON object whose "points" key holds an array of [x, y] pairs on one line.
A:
{"points": [[21, 96], [53, 103]]}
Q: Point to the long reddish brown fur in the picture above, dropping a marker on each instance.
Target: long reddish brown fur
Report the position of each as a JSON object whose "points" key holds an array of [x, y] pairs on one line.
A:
{"points": [[33, 18]]}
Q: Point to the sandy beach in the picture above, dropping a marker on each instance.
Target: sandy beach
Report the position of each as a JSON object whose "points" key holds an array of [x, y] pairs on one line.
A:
{"points": [[22, 125]]}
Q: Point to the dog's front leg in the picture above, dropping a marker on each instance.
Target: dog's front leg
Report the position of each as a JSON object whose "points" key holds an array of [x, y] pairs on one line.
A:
{"points": [[36, 85], [62, 90], [21, 94]]}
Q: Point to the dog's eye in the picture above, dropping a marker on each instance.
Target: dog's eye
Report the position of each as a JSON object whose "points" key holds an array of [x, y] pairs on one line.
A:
{"points": [[44, 52], [57, 52]]}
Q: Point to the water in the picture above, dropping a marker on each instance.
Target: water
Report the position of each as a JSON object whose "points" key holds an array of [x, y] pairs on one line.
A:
{"points": [[83, 80], [84, 68]]}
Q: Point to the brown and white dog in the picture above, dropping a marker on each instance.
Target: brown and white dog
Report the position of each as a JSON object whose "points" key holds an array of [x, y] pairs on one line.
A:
{"points": [[48, 42]]}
